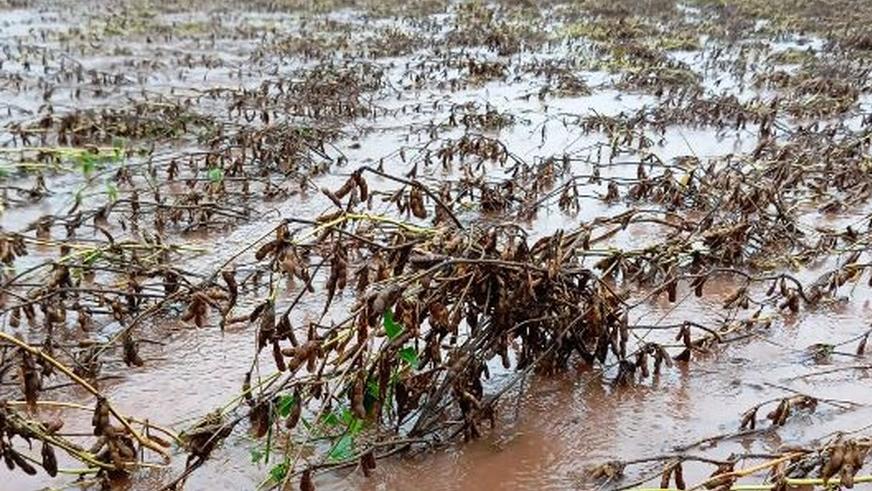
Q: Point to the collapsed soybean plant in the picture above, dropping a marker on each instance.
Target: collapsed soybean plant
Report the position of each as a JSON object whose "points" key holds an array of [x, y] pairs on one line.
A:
{"points": [[283, 244]]}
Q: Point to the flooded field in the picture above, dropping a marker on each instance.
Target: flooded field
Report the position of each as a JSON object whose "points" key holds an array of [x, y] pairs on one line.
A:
{"points": [[447, 245]]}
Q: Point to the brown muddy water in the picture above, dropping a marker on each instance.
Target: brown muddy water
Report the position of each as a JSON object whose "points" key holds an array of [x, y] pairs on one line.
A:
{"points": [[725, 101]]}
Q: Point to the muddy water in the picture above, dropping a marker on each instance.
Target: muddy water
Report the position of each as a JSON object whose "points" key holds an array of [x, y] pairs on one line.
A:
{"points": [[549, 434]]}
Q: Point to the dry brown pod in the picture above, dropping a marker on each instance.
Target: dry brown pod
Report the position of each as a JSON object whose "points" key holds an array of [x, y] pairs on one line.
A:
{"points": [[697, 284], [131, 351], [259, 418], [642, 363], [267, 327], [678, 472], [833, 462], [49, 460], [606, 471], [347, 186], [780, 414], [672, 290], [722, 478], [306, 483], [20, 461], [277, 356], [294, 415], [229, 277], [335, 199], [666, 476], [416, 202], [100, 419], [357, 395], [30, 378], [362, 186], [367, 462], [749, 419]]}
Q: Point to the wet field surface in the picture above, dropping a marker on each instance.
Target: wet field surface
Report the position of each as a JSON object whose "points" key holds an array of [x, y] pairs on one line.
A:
{"points": [[435, 245]]}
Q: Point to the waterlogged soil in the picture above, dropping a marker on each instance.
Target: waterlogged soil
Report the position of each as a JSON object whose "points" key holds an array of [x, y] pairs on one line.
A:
{"points": [[548, 81]]}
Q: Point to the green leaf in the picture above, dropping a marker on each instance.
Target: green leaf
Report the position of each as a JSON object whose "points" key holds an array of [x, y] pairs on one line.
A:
{"points": [[117, 155], [285, 404], [355, 427], [372, 388], [92, 257], [268, 443], [278, 473], [112, 191], [342, 449], [256, 455], [410, 356], [332, 419], [392, 329], [352, 422], [216, 174], [371, 396], [347, 416], [88, 163]]}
